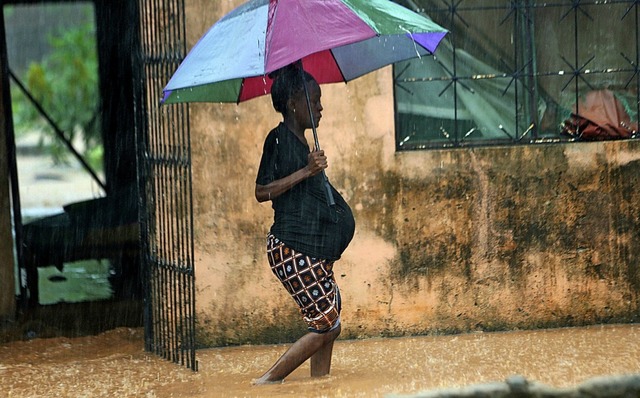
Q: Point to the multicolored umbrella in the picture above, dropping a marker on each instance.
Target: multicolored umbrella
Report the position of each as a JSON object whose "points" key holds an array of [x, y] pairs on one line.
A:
{"points": [[337, 41]]}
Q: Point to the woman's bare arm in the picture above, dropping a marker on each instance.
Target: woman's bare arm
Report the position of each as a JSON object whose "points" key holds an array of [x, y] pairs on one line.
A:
{"points": [[317, 163]]}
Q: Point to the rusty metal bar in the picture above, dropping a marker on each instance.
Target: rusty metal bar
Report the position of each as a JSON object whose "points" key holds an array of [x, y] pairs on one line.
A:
{"points": [[165, 158]]}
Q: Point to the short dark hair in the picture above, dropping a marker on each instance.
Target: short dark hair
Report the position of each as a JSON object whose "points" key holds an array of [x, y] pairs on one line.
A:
{"points": [[287, 82]]}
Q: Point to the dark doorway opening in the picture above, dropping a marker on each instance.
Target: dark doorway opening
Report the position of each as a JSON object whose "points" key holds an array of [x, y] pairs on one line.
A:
{"points": [[74, 182]]}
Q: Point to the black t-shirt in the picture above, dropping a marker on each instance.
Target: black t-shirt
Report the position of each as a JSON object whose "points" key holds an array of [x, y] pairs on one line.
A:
{"points": [[303, 219]]}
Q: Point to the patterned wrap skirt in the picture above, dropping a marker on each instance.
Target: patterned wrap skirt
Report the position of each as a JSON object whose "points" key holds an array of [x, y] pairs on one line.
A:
{"points": [[310, 282]]}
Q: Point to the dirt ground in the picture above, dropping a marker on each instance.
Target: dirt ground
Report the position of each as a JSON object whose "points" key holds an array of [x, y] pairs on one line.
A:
{"points": [[114, 363]]}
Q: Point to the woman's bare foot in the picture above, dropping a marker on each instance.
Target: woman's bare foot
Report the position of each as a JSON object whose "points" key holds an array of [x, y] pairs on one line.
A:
{"points": [[263, 381]]}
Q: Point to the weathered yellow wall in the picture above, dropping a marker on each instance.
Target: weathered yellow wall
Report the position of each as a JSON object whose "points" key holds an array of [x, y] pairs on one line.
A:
{"points": [[446, 241]]}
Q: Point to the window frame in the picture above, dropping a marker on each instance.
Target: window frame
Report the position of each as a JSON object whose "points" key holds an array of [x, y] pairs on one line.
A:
{"points": [[451, 15]]}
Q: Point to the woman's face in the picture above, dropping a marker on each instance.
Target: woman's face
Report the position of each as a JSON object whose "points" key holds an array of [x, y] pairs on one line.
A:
{"points": [[301, 113]]}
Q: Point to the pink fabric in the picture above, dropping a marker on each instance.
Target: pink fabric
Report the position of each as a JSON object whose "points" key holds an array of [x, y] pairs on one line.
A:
{"points": [[333, 24], [599, 116], [603, 108]]}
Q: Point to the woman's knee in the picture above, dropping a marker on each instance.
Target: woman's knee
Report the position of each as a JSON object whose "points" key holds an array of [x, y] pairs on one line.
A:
{"points": [[329, 335], [334, 333]]}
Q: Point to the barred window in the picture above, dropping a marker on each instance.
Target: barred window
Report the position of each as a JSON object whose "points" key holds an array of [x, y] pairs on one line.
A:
{"points": [[521, 72]]}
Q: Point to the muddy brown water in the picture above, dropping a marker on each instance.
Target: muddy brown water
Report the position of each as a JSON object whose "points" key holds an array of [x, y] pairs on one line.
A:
{"points": [[115, 364]]}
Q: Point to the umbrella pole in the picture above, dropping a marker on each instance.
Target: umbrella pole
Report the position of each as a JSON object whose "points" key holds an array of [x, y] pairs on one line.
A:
{"points": [[330, 200]]}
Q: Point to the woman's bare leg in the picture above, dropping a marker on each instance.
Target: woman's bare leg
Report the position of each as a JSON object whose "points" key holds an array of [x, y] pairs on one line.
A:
{"points": [[321, 360], [317, 346]]}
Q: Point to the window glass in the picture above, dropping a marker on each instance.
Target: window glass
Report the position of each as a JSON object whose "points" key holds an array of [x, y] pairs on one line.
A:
{"points": [[52, 58], [513, 72]]}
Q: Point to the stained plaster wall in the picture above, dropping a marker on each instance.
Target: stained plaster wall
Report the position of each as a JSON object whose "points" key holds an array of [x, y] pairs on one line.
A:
{"points": [[446, 241]]}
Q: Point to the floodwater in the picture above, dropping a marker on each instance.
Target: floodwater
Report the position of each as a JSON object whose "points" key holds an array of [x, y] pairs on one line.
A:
{"points": [[115, 364]]}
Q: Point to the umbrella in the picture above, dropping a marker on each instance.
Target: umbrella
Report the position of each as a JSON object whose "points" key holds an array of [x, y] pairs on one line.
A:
{"points": [[335, 41]]}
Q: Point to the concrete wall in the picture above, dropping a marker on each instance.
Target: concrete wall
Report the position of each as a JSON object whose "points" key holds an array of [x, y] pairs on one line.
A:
{"points": [[446, 241]]}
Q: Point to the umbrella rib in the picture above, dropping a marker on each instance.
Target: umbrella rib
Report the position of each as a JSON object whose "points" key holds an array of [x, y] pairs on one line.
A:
{"points": [[338, 65], [271, 16]]}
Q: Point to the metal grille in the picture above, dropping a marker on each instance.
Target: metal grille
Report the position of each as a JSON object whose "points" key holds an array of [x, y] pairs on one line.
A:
{"points": [[164, 158], [535, 54]]}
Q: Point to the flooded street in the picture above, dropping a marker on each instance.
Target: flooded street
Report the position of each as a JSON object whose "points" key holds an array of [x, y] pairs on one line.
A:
{"points": [[115, 364]]}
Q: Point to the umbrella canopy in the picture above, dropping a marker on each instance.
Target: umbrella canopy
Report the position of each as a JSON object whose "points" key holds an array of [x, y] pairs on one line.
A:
{"points": [[337, 41]]}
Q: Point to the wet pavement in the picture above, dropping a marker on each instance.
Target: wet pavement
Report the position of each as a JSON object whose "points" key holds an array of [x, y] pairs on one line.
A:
{"points": [[115, 364]]}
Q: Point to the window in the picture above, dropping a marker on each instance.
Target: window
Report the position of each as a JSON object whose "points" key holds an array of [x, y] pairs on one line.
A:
{"points": [[53, 66], [52, 58], [513, 71]]}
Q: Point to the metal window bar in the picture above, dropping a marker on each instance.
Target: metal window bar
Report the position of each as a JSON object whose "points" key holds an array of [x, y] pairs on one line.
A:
{"points": [[164, 158], [57, 130], [523, 68]]}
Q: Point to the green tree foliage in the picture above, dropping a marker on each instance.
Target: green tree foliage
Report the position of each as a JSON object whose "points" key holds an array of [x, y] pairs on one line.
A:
{"points": [[65, 83]]}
